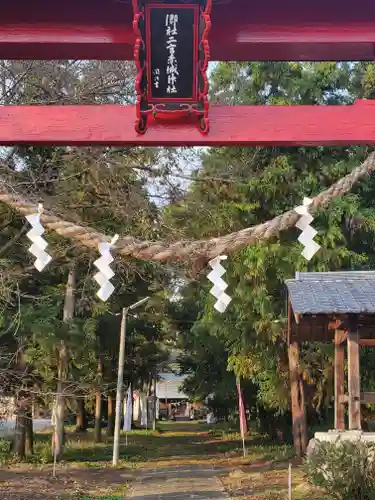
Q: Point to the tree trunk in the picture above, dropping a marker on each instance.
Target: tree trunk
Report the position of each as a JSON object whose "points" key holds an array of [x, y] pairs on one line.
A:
{"points": [[149, 386], [58, 435], [62, 368], [81, 421], [20, 434], [36, 410], [19, 445], [29, 437], [154, 399], [298, 401], [111, 415], [98, 417], [98, 404]]}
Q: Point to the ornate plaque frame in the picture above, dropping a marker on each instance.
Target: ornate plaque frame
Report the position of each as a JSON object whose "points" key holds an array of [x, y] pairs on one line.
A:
{"points": [[173, 108]]}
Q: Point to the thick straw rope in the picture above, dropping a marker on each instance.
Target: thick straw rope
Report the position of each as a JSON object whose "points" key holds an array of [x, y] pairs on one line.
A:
{"points": [[184, 250]]}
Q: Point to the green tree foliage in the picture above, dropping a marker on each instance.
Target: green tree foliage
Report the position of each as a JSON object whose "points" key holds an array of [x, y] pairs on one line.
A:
{"points": [[225, 190], [240, 187], [96, 187]]}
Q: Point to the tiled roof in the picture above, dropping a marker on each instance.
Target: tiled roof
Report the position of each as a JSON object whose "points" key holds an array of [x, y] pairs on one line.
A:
{"points": [[334, 292], [336, 275]]}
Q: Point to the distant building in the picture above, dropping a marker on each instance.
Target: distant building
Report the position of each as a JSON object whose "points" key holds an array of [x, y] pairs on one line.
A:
{"points": [[172, 400], [8, 418]]}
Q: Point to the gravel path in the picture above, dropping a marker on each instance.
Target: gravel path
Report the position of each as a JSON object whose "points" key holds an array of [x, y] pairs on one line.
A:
{"points": [[185, 482]]}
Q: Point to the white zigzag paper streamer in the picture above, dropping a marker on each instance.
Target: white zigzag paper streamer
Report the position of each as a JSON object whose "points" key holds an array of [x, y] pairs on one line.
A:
{"points": [[39, 244], [306, 238], [218, 290], [105, 273]]}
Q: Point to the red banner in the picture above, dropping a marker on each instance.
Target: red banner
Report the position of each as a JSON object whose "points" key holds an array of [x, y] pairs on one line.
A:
{"points": [[241, 409]]}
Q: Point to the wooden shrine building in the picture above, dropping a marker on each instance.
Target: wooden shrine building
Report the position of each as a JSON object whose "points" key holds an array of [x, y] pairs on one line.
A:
{"points": [[336, 307]]}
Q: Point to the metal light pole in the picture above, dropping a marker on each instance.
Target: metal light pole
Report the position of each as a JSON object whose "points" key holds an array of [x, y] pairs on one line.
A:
{"points": [[120, 379]]}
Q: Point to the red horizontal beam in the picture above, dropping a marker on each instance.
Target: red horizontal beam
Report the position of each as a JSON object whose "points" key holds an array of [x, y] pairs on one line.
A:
{"points": [[230, 125], [284, 41], [273, 30], [66, 41]]}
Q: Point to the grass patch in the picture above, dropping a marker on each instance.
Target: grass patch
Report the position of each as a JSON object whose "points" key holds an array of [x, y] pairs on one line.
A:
{"points": [[269, 483], [86, 469]]}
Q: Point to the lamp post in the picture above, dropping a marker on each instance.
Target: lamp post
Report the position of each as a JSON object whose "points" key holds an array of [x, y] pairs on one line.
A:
{"points": [[120, 378]]}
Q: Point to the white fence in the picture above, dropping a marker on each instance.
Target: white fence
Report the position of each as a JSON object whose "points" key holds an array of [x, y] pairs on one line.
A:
{"points": [[7, 427]]}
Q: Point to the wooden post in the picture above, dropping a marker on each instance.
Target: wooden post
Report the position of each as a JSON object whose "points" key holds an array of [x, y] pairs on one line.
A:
{"points": [[339, 380], [354, 374], [303, 419]]}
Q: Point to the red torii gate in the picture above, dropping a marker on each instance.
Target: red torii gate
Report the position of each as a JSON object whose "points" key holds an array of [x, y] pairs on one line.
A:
{"points": [[241, 30]]}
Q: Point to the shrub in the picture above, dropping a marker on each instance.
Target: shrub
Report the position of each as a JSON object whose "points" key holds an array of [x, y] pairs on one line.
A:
{"points": [[5, 446], [344, 470], [5, 451]]}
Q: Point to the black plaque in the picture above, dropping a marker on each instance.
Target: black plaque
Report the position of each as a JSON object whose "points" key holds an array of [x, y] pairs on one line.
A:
{"points": [[172, 50]]}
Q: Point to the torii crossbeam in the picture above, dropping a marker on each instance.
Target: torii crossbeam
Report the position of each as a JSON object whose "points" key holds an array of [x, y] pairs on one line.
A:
{"points": [[113, 125], [241, 30]]}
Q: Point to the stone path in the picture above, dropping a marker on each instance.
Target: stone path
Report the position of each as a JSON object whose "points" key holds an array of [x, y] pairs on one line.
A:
{"points": [[185, 482]]}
